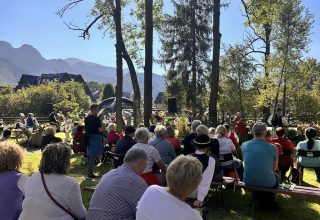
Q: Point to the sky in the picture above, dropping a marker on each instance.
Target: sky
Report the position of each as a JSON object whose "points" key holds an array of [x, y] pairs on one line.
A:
{"points": [[35, 22]]}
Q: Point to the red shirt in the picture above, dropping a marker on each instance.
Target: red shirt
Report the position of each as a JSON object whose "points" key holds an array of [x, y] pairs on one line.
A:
{"points": [[234, 140], [112, 138], [287, 149], [175, 142], [279, 147], [242, 128]]}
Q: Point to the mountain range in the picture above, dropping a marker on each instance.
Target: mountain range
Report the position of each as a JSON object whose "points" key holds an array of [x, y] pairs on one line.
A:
{"points": [[28, 60]]}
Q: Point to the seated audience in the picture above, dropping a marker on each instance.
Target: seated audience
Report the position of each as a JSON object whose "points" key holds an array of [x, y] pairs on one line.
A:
{"points": [[52, 179], [171, 137], [278, 145], [5, 136], [49, 138], [188, 139], [312, 146], [202, 143], [152, 135], [78, 140], [285, 157], [74, 128], [112, 137], [157, 203], [260, 159], [124, 144], [228, 162], [260, 163], [12, 182], [232, 136], [164, 147], [142, 137], [212, 132], [118, 192]]}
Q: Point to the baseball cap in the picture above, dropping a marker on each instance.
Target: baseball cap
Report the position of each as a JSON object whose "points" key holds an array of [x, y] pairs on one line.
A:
{"points": [[259, 126]]}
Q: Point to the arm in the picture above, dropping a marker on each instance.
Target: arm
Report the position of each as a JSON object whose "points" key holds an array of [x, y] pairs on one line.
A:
{"points": [[162, 166], [22, 183], [205, 183], [276, 159], [74, 202], [233, 148]]}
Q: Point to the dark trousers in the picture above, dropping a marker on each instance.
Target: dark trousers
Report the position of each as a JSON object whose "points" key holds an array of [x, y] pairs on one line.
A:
{"points": [[283, 171], [90, 164]]}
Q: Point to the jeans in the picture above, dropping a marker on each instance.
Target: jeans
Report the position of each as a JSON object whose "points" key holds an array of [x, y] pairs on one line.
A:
{"points": [[237, 165], [91, 163]]}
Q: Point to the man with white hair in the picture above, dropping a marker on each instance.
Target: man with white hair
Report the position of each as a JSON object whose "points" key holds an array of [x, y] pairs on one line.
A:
{"points": [[164, 147], [188, 139], [119, 191]]}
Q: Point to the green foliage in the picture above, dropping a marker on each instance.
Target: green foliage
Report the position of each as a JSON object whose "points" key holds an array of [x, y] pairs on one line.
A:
{"points": [[68, 97], [108, 91]]}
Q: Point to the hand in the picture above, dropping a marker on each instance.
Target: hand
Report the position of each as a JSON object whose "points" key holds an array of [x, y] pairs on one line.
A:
{"points": [[197, 203]]}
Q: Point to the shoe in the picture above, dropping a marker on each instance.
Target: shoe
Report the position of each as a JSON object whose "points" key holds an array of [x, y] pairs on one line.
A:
{"points": [[92, 176]]}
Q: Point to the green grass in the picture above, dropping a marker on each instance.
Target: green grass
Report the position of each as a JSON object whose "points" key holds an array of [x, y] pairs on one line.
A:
{"points": [[235, 203]]}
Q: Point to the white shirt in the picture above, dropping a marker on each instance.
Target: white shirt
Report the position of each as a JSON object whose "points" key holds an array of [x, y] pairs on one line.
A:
{"points": [[152, 153], [226, 146], [207, 176], [23, 182], [158, 204], [38, 206]]}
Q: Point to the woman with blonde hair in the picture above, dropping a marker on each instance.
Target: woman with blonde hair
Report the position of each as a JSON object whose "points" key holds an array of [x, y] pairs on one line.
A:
{"points": [[51, 194], [113, 136], [183, 176], [12, 182], [228, 162]]}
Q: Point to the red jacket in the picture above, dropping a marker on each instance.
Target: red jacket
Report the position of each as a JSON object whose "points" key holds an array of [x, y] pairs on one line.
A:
{"points": [[287, 149], [113, 138]]}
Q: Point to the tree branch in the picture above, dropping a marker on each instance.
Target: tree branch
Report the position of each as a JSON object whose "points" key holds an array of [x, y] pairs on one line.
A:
{"points": [[84, 31], [70, 5]]}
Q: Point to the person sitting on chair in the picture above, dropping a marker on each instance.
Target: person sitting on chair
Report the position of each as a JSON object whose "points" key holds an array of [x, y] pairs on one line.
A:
{"points": [[119, 190], [157, 203], [5, 136], [229, 163], [202, 143], [125, 144], [309, 151], [142, 137], [285, 158]]}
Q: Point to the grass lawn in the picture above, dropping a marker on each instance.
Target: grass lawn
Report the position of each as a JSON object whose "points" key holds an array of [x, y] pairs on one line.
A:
{"points": [[235, 204]]}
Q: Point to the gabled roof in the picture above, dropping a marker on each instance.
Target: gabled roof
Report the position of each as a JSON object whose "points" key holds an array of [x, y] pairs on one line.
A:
{"points": [[159, 98], [28, 79]]}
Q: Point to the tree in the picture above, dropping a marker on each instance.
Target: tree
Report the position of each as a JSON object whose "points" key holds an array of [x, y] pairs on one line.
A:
{"points": [[108, 91], [148, 61], [238, 69], [185, 51], [214, 79], [109, 15], [292, 30]]}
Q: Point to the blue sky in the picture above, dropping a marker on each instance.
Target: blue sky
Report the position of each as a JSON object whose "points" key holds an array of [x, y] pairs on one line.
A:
{"points": [[35, 22]]}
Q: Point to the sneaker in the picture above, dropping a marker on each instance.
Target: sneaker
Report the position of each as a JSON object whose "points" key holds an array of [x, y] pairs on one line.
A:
{"points": [[92, 176]]}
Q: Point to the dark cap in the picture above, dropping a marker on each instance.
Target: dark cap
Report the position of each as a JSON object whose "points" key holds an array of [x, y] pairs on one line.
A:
{"points": [[129, 130], [259, 126]]}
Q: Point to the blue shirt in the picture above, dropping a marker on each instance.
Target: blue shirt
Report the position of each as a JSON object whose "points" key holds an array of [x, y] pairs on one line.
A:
{"points": [[259, 157], [308, 161], [165, 150]]}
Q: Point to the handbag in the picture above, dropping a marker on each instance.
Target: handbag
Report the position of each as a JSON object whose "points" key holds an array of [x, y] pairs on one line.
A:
{"points": [[55, 201]]}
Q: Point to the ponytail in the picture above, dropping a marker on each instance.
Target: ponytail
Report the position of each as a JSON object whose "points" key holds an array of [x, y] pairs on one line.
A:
{"points": [[311, 133]]}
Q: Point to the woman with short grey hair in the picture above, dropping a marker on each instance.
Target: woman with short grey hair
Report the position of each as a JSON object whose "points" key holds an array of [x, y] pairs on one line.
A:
{"points": [[52, 183], [160, 131], [142, 136]]}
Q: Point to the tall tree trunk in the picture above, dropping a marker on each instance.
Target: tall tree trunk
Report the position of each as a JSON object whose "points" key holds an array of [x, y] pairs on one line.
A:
{"points": [[117, 20], [148, 62], [214, 83], [267, 29], [135, 86], [194, 60], [240, 93], [284, 98]]}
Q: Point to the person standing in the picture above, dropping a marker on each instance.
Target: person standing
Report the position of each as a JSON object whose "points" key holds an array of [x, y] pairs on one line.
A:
{"points": [[68, 127], [53, 121], [277, 119], [93, 127]]}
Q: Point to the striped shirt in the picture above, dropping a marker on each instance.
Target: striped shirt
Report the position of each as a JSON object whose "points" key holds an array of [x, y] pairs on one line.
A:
{"points": [[226, 147], [117, 195]]}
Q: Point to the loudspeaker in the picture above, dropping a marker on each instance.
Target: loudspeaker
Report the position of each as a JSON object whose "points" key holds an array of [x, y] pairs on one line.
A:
{"points": [[172, 105]]}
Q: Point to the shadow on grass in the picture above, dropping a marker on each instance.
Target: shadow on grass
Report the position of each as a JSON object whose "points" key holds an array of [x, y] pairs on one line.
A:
{"points": [[236, 206]]}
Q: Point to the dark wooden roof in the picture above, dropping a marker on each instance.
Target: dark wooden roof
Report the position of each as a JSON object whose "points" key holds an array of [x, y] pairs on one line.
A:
{"points": [[159, 98]]}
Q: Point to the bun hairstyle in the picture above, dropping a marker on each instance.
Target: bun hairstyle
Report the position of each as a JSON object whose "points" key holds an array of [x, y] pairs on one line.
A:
{"points": [[311, 133]]}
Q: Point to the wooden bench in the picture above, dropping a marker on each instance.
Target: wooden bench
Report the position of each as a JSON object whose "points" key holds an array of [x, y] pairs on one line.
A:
{"points": [[89, 188], [306, 192], [217, 186]]}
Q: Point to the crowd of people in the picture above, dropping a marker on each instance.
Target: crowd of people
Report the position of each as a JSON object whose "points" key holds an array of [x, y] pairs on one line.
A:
{"points": [[155, 174]]}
